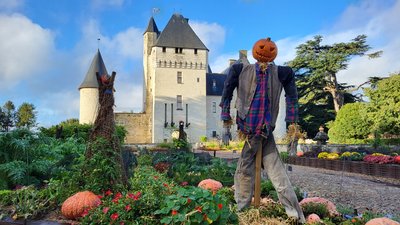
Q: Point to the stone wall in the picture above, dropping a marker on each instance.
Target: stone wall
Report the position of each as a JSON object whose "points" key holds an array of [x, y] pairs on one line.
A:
{"points": [[138, 126]]}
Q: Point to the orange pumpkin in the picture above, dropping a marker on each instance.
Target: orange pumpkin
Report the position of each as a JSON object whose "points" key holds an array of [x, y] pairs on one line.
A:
{"points": [[382, 221], [75, 205], [265, 50]]}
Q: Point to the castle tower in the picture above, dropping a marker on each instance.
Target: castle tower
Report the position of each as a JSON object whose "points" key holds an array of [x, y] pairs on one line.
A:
{"points": [[89, 92], [149, 40], [177, 67]]}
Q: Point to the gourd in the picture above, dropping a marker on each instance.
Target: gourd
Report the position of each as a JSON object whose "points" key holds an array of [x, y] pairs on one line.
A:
{"points": [[382, 221], [75, 205], [300, 153], [397, 159], [329, 205], [210, 184], [265, 50], [313, 218]]}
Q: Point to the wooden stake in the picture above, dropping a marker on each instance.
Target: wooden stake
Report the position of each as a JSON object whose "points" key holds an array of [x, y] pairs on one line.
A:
{"points": [[257, 182]]}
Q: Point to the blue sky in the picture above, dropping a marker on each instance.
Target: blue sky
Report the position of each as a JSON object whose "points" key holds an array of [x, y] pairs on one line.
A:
{"points": [[46, 46]]}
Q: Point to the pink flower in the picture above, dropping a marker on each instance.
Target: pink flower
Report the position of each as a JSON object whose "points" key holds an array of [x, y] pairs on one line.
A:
{"points": [[105, 210], [121, 223], [329, 205], [114, 216], [184, 183]]}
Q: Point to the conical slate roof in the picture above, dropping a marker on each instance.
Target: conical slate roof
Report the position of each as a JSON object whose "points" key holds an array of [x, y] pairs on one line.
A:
{"points": [[97, 65], [152, 27], [178, 34]]}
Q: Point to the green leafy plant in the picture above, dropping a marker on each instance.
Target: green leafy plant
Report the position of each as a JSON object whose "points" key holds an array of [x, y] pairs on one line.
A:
{"points": [[193, 205], [317, 208]]}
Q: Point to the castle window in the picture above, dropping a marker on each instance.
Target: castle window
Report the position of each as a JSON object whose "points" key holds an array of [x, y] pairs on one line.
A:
{"points": [[179, 102], [164, 49], [179, 77], [214, 133], [176, 50], [214, 85], [198, 80], [180, 50], [195, 51], [214, 107]]}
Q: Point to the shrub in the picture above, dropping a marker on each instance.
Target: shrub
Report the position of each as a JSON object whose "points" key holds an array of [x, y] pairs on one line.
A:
{"points": [[351, 125], [195, 206]]}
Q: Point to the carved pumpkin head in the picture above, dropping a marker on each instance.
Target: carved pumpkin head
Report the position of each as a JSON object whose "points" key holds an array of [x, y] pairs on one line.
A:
{"points": [[265, 50]]}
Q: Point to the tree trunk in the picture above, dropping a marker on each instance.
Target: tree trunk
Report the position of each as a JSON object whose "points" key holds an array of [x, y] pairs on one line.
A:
{"points": [[333, 88]]}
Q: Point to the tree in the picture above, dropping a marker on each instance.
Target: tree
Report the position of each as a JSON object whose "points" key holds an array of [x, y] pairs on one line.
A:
{"points": [[319, 64], [384, 105], [351, 125], [8, 120], [26, 115]]}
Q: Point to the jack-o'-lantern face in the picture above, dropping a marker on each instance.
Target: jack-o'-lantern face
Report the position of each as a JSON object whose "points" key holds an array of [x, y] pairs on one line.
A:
{"points": [[265, 50]]}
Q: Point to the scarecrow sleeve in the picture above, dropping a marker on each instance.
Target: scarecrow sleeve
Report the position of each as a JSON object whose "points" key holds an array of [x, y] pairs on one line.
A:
{"points": [[286, 76], [230, 84]]}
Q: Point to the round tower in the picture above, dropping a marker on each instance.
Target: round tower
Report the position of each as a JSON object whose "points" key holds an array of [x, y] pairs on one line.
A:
{"points": [[89, 91]]}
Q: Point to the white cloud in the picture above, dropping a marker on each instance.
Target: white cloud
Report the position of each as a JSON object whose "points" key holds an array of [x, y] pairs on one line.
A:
{"points": [[10, 5], [222, 62], [25, 49], [211, 34]]}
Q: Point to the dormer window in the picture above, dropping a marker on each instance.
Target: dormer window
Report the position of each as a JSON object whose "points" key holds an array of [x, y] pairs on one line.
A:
{"points": [[164, 49], [195, 51], [178, 50]]}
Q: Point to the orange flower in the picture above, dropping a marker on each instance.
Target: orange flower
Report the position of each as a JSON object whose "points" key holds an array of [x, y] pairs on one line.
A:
{"points": [[198, 208]]}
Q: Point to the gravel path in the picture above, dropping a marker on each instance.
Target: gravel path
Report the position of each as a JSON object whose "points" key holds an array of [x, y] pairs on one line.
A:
{"points": [[355, 190]]}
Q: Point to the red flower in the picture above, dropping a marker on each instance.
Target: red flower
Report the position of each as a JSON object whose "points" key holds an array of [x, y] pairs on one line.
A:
{"points": [[198, 208], [184, 183], [189, 200], [121, 223], [100, 196], [155, 177], [105, 210], [205, 217], [118, 195], [85, 213], [115, 200], [108, 192], [165, 185], [220, 206], [137, 196], [114, 216], [128, 207], [174, 212]]}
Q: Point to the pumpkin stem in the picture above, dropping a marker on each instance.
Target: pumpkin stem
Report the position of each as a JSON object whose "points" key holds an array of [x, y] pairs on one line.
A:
{"points": [[268, 39]]}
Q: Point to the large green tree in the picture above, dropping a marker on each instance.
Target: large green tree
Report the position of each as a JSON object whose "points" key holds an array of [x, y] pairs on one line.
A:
{"points": [[384, 105], [316, 67], [8, 119], [26, 115]]}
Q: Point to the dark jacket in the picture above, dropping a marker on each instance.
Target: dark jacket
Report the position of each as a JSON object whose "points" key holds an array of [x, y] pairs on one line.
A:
{"points": [[243, 78]]}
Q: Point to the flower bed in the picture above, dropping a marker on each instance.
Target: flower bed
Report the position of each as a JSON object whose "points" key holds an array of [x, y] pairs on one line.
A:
{"points": [[372, 169]]}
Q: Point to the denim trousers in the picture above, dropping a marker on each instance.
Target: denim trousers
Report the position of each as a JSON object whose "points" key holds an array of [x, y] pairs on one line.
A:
{"points": [[275, 169]]}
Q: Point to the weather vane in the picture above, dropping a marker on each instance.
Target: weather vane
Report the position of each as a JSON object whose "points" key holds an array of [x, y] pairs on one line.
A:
{"points": [[98, 43], [155, 11]]}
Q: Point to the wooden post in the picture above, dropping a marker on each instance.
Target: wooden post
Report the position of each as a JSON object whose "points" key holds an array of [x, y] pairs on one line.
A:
{"points": [[257, 183]]}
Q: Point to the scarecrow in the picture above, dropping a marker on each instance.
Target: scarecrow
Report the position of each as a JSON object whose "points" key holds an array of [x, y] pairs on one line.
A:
{"points": [[259, 87]]}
